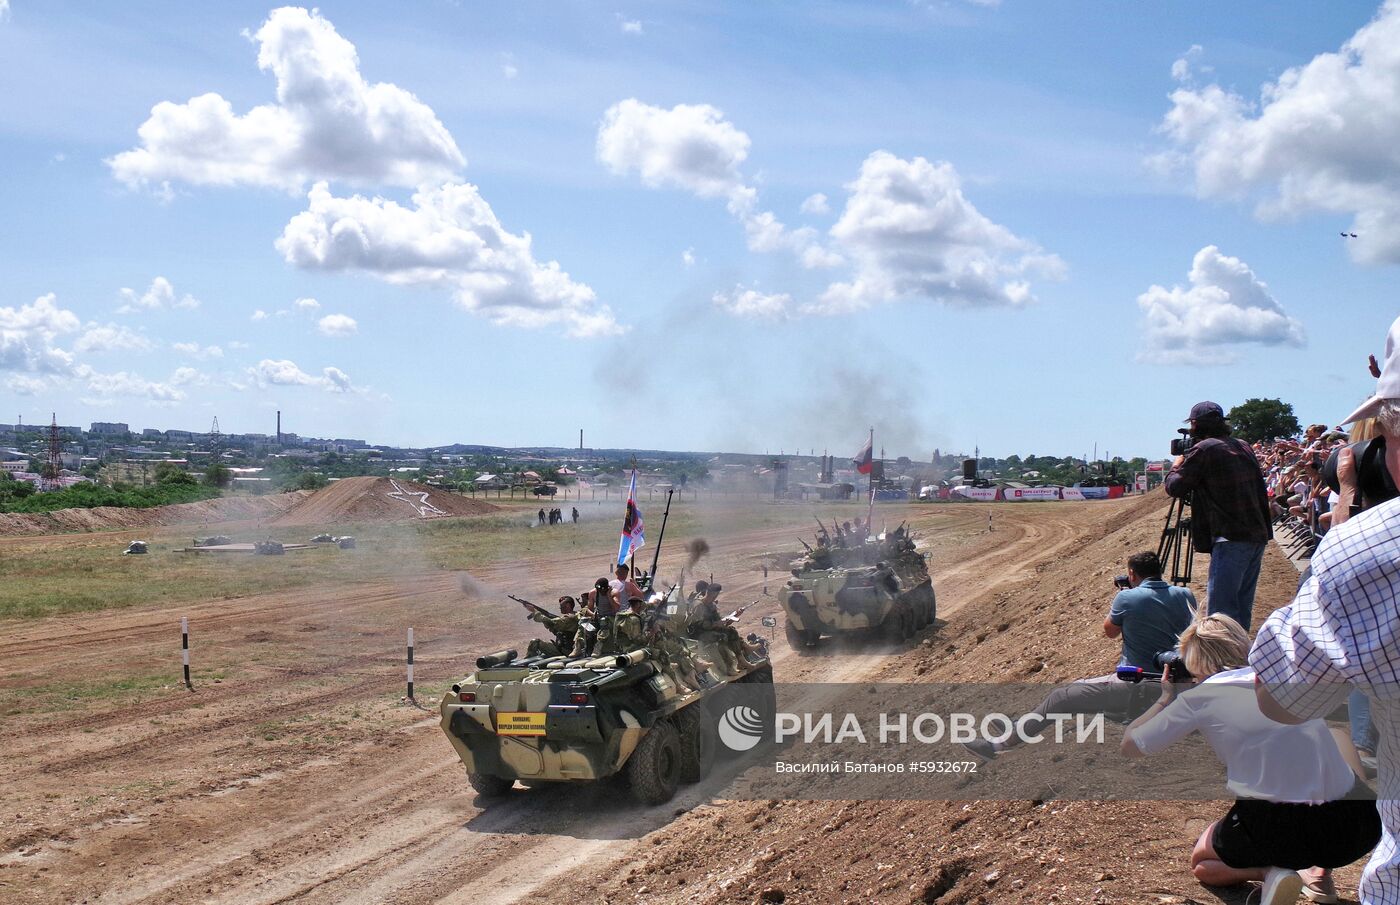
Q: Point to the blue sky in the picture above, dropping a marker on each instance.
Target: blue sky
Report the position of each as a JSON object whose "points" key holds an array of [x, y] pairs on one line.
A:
{"points": [[1005, 184]]}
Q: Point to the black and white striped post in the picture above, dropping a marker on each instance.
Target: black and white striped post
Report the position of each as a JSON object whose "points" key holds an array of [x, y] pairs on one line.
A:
{"points": [[410, 664], [185, 649]]}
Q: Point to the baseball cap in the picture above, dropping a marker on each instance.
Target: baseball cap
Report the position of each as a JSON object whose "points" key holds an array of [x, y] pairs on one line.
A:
{"points": [[1205, 410], [1388, 386]]}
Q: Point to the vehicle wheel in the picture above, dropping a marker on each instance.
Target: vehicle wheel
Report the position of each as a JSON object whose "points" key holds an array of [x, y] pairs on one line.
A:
{"points": [[490, 786], [895, 626], [799, 640], [697, 741], [654, 768]]}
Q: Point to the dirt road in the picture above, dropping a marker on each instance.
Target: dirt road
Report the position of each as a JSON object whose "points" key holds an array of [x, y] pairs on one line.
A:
{"points": [[295, 773]]}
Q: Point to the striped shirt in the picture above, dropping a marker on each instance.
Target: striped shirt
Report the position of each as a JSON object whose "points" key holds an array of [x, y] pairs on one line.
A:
{"points": [[1343, 631]]}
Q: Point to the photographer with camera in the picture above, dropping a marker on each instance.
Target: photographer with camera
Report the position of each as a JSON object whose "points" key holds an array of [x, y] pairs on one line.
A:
{"points": [[1147, 614], [1229, 509], [1340, 631], [1299, 812]]}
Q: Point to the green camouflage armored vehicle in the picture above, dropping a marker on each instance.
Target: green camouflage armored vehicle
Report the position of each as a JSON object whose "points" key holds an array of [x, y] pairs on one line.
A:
{"points": [[553, 719], [880, 587]]}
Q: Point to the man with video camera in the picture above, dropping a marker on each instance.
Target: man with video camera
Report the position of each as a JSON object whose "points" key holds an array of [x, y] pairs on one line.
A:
{"points": [[1148, 615], [1229, 509]]}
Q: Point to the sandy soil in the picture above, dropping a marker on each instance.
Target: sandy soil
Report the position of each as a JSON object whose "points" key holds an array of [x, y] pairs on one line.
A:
{"points": [[294, 772], [105, 518], [369, 499]]}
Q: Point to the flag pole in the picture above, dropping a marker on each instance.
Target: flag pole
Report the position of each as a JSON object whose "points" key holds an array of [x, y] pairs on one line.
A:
{"points": [[870, 509]]}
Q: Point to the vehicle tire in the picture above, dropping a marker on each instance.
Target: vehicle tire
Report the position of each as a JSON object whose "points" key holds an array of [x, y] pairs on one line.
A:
{"points": [[799, 640], [490, 786], [896, 626], [654, 768], [697, 741]]}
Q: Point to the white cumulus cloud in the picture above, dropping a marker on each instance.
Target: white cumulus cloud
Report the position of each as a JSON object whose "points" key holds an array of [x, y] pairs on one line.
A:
{"points": [[327, 123], [694, 148], [123, 383], [816, 204], [28, 334], [4, 10], [110, 337], [910, 233], [282, 372], [629, 26], [1226, 305], [451, 238], [1324, 137], [195, 350], [337, 325], [751, 303], [159, 295], [688, 257], [306, 304], [259, 315]]}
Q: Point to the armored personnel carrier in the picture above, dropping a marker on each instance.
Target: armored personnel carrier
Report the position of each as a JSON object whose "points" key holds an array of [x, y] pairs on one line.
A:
{"points": [[878, 588], [553, 719]]}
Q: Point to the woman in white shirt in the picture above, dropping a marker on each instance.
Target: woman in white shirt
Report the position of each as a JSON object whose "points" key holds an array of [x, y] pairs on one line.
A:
{"points": [[1299, 810]]}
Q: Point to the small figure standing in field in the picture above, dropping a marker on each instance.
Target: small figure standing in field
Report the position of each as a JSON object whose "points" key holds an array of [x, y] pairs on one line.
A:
{"points": [[989, 522], [541, 515], [574, 509]]}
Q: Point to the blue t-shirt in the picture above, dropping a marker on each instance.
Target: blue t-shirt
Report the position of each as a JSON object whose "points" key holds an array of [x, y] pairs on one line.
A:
{"points": [[1152, 616]]}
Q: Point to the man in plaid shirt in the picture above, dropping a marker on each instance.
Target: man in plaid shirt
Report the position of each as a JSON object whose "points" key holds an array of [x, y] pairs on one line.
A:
{"points": [[1229, 510], [1342, 631]]}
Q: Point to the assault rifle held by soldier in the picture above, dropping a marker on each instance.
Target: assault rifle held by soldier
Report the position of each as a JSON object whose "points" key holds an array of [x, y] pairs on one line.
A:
{"points": [[533, 607]]}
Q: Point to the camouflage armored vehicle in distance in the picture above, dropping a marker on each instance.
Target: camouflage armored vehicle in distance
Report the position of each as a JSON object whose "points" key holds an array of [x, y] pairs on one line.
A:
{"points": [[879, 587], [555, 719]]}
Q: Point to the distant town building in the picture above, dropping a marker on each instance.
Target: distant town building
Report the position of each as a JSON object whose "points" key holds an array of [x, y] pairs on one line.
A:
{"points": [[109, 429], [151, 433]]}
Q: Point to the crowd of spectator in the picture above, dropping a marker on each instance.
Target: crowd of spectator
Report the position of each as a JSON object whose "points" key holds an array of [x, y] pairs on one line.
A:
{"points": [[1293, 473]]}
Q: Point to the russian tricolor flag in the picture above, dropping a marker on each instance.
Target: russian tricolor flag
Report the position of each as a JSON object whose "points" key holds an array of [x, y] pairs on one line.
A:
{"points": [[632, 538], [864, 459]]}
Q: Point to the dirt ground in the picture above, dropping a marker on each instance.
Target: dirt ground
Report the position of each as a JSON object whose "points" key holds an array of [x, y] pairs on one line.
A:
{"points": [[296, 772]]}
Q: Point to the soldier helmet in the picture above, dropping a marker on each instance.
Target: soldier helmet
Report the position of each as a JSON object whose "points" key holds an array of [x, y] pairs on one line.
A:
{"points": [[714, 588], [636, 603], [702, 586]]}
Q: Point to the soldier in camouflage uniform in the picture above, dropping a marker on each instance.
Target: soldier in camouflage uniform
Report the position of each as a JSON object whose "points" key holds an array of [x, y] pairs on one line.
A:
{"points": [[706, 625], [684, 668], [563, 627], [628, 631]]}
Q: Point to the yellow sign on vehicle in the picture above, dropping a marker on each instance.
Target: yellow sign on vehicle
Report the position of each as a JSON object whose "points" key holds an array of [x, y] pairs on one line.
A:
{"points": [[520, 724]]}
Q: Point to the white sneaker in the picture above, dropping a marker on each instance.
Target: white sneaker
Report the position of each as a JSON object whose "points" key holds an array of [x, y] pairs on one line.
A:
{"points": [[1281, 887]]}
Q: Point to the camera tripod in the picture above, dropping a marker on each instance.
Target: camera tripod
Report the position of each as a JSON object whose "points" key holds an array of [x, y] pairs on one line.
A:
{"points": [[1175, 550]]}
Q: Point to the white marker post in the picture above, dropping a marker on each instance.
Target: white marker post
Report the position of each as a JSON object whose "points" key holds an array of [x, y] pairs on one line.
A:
{"points": [[410, 664], [185, 649]]}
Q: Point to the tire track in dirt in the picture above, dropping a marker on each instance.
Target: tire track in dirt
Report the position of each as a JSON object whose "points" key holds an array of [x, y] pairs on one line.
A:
{"points": [[391, 818]]}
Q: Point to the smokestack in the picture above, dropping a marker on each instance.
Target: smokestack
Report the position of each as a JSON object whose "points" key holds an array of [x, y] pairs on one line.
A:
{"points": [[279, 427], [580, 440]]}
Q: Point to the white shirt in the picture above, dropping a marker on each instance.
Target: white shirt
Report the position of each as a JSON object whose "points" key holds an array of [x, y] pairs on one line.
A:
{"points": [[1262, 759], [1343, 631]]}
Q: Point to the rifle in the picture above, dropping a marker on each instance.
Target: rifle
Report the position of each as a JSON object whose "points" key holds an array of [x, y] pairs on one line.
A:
{"points": [[533, 607], [805, 544], [825, 533], [734, 616]]}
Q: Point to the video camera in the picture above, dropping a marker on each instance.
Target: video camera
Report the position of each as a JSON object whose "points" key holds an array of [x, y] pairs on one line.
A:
{"points": [[1168, 661], [1373, 479], [1121, 581], [1182, 445]]}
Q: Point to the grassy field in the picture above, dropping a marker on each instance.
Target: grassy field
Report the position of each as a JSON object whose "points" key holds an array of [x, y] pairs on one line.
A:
{"points": [[85, 572]]}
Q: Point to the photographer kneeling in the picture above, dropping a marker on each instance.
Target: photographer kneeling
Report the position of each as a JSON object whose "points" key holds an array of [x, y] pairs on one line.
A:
{"points": [[1148, 614], [1299, 811]]}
